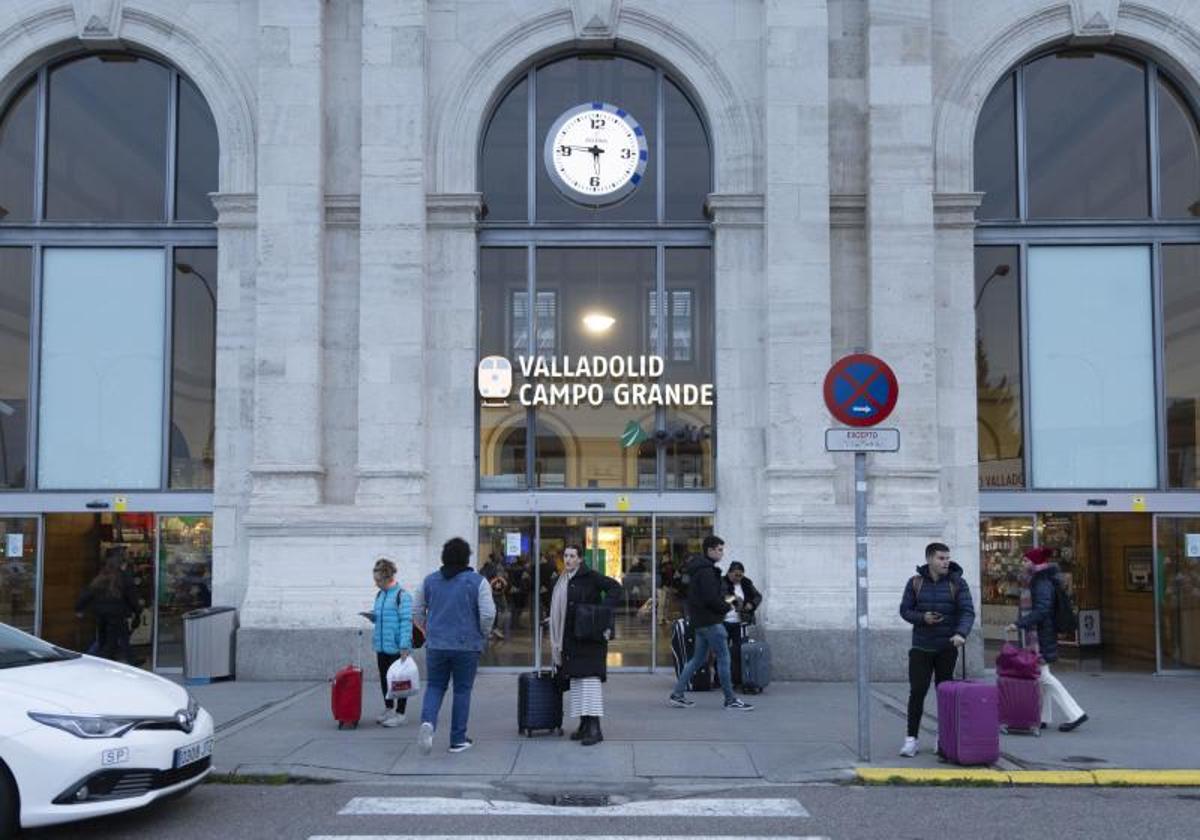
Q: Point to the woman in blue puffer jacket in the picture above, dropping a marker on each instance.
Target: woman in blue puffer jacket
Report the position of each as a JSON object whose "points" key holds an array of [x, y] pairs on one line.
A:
{"points": [[392, 638]]}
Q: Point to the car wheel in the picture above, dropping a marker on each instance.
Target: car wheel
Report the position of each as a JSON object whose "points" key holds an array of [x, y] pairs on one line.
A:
{"points": [[9, 804]]}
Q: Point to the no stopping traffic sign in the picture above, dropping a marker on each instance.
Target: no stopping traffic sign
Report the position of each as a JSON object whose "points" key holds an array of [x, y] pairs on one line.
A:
{"points": [[861, 390]]}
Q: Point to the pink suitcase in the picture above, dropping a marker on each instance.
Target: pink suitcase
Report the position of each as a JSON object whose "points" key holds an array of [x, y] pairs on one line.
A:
{"points": [[968, 722], [1020, 706]]}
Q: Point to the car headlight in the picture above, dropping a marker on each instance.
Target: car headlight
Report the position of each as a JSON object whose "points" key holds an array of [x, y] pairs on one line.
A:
{"points": [[87, 726], [193, 706]]}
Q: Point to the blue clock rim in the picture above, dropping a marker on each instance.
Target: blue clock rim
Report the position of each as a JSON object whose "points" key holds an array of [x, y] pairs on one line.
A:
{"points": [[585, 199]]}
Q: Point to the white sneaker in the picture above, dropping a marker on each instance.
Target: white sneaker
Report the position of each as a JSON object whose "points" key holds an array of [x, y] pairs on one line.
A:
{"points": [[382, 719], [425, 738], [402, 717], [391, 720], [910, 748]]}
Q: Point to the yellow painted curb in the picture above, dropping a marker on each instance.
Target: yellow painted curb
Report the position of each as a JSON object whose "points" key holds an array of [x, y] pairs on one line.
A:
{"points": [[1148, 778], [932, 774], [1051, 777]]}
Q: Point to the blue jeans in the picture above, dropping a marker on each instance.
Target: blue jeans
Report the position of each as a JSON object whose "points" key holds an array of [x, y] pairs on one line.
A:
{"points": [[713, 636], [440, 667]]}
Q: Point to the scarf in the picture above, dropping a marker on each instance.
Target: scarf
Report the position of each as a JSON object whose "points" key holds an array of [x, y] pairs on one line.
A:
{"points": [[1026, 579], [558, 616]]}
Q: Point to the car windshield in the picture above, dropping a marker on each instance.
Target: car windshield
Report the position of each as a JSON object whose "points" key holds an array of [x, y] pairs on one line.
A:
{"points": [[17, 649]]}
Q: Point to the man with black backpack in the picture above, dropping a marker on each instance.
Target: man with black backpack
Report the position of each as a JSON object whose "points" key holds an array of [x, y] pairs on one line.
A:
{"points": [[1046, 606]]}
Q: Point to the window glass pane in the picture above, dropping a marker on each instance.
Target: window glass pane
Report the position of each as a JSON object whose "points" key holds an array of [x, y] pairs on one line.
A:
{"points": [[106, 156], [506, 555], [1003, 541], [505, 161], [198, 156], [998, 366], [621, 82], [1086, 137], [101, 409], [1181, 361], [1091, 367], [689, 354], [16, 277], [608, 282], [688, 164], [1179, 155], [996, 154], [503, 336], [184, 580], [193, 367], [18, 571], [17, 145]]}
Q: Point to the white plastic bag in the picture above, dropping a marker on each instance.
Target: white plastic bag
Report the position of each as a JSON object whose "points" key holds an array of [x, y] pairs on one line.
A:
{"points": [[403, 679]]}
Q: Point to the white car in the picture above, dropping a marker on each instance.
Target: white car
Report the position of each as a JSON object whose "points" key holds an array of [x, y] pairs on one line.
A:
{"points": [[83, 737]]}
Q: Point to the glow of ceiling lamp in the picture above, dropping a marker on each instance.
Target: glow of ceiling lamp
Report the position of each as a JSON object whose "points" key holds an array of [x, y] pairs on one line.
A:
{"points": [[598, 322]]}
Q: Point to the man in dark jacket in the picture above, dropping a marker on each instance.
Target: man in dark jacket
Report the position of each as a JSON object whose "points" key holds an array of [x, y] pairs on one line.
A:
{"points": [[937, 603], [706, 610]]}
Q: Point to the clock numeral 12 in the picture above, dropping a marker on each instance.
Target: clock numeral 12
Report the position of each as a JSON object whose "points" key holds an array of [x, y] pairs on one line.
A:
{"points": [[597, 122]]}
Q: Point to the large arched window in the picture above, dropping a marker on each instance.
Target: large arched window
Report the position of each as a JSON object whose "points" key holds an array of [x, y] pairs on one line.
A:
{"points": [[625, 271], [1087, 276], [108, 278]]}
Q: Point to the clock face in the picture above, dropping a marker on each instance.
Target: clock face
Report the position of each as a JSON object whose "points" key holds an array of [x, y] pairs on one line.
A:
{"points": [[596, 153]]}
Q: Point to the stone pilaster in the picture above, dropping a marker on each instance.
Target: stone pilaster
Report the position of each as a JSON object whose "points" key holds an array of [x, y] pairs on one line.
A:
{"points": [[287, 466], [391, 324]]}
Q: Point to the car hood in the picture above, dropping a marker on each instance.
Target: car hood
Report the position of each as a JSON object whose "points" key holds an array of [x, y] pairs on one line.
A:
{"points": [[90, 686]]}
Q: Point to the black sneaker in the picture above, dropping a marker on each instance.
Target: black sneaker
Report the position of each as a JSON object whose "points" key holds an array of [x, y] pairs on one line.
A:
{"points": [[739, 705], [463, 747], [681, 702]]}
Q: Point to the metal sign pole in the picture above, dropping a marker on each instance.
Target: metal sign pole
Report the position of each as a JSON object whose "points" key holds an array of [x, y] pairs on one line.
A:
{"points": [[862, 634]]}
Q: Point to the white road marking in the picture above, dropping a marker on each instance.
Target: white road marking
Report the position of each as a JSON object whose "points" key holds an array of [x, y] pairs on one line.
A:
{"points": [[676, 808]]}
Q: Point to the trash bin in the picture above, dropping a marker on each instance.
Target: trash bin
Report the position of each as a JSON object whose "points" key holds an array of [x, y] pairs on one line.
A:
{"points": [[208, 644]]}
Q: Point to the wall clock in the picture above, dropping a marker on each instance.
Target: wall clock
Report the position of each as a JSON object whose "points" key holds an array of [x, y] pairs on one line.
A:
{"points": [[596, 153]]}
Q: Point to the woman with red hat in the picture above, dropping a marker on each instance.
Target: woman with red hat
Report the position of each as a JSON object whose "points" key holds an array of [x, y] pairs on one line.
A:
{"points": [[1039, 588]]}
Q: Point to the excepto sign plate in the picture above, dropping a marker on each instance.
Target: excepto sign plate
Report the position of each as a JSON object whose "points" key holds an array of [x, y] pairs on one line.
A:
{"points": [[862, 440]]}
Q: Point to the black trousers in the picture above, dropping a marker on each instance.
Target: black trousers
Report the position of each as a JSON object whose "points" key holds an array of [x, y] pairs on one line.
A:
{"points": [[734, 630], [385, 660], [923, 664]]}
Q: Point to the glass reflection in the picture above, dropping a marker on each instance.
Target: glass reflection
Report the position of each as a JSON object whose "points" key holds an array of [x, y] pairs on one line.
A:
{"points": [[1086, 136], [16, 277], [1181, 361], [505, 557], [106, 153], [184, 580], [688, 348], [193, 367], [688, 168], [503, 331], [996, 154], [197, 157], [998, 366], [1178, 155], [18, 571], [17, 146], [505, 160]]}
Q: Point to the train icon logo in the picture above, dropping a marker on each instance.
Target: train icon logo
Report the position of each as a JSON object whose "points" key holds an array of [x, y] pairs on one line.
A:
{"points": [[495, 380]]}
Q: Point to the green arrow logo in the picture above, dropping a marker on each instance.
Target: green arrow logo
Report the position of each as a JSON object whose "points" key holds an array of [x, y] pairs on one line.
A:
{"points": [[633, 434]]}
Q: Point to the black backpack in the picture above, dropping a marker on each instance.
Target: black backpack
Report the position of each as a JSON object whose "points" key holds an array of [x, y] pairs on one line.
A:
{"points": [[1065, 618]]}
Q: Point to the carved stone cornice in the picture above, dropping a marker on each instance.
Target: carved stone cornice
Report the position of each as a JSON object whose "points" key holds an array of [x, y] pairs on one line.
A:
{"points": [[457, 211]]}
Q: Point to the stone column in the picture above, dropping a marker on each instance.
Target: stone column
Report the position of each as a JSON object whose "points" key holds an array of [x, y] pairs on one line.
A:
{"points": [[391, 325], [451, 292], [741, 370], [287, 466]]}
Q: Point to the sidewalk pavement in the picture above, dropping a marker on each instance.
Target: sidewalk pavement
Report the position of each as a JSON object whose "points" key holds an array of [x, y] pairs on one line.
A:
{"points": [[799, 732]]}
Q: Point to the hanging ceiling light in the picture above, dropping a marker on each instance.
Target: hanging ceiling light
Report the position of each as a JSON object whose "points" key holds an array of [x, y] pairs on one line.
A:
{"points": [[598, 322]]}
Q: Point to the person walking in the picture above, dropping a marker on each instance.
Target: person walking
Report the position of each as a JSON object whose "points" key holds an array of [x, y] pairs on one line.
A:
{"points": [[937, 603], [112, 599], [1039, 589], [743, 599], [706, 610], [455, 606], [578, 642], [392, 639]]}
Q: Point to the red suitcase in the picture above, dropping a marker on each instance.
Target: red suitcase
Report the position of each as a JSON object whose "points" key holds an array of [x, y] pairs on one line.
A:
{"points": [[968, 721], [1020, 705], [347, 697]]}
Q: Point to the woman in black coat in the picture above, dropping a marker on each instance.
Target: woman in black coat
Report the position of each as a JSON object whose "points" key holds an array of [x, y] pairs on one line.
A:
{"points": [[743, 599], [581, 660]]}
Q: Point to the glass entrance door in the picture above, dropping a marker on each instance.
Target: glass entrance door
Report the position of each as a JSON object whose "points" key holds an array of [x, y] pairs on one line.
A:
{"points": [[18, 572], [1176, 580]]}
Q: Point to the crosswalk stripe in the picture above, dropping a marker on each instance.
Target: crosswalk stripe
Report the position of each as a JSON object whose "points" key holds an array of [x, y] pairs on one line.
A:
{"points": [[542, 837], [676, 808]]}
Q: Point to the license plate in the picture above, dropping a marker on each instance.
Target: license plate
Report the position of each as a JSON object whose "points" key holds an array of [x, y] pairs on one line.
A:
{"points": [[193, 752]]}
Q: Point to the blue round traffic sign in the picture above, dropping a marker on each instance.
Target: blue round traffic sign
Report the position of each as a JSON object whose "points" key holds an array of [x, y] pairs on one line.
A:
{"points": [[861, 390]]}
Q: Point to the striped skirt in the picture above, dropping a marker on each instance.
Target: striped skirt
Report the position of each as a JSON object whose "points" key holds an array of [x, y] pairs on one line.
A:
{"points": [[586, 697]]}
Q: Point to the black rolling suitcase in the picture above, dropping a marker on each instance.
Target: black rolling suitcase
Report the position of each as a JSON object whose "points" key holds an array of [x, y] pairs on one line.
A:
{"points": [[683, 645], [539, 703]]}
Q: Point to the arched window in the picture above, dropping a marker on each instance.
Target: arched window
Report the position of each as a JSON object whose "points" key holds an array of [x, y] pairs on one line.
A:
{"points": [[1087, 276], [106, 163], [594, 170]]}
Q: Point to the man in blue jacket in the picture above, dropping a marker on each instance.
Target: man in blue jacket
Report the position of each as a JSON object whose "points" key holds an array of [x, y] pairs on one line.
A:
{"points": [[455, 604], [937, 603]]}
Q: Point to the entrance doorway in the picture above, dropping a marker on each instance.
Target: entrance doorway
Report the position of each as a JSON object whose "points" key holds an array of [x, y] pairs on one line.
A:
{"points": [[522, 557], [1176, 580]]}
